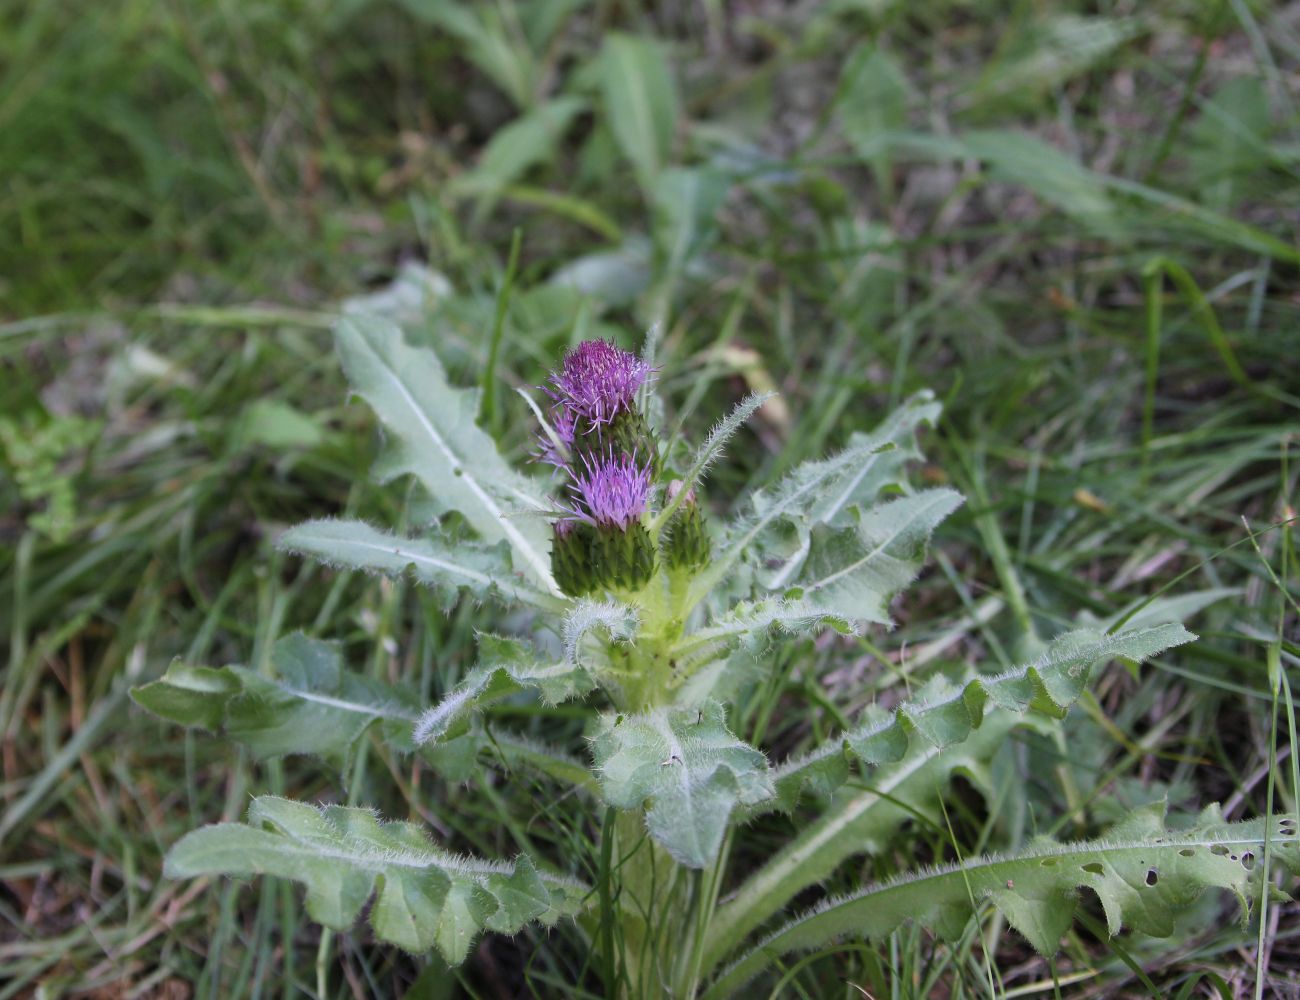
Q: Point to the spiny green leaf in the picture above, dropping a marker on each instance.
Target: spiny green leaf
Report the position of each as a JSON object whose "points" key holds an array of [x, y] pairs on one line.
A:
{"points": [[711, 448], [447, 568], [436, 439], [820, 492], [857, 819], [689, 768], [308, 705], [619, 621], [913, 751], [506, 667], [856, 571], [948, 714], [426, 898], [1143, 875], [752, 624]]}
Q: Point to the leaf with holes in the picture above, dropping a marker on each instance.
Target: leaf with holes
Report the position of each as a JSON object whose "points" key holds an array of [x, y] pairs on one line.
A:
{"points": [[857, 818], [911, 751], [1143, 874]]}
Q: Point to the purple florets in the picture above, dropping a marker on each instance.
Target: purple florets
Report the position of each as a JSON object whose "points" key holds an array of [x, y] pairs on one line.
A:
{"points": [[612, 491], [597, 381]]}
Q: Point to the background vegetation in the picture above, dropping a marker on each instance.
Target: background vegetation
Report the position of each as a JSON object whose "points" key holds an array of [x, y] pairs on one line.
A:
{"points": [[1076, 221]]}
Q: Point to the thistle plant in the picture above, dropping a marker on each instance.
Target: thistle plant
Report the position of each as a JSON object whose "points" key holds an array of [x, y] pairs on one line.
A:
{"points": [[659, 619]]}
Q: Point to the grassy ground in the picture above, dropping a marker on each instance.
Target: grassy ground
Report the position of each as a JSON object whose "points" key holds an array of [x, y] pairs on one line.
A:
{"points": [[1077, 222]]}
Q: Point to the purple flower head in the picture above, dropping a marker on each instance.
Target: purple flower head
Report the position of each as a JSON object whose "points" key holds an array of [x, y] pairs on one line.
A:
{"points": [[612, 491], [562, 423], [597, 380]]}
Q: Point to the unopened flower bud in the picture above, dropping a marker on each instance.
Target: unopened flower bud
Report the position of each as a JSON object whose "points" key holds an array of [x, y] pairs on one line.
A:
{"points": [[623, 559], [687, 545], [611, 497], [571, 559]]}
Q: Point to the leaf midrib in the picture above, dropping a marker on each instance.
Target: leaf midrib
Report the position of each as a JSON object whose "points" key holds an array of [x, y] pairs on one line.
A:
{"points": [[520, 543]]}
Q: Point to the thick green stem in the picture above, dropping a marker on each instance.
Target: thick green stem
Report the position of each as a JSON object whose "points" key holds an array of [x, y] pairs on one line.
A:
{"points": [[651, 910]]}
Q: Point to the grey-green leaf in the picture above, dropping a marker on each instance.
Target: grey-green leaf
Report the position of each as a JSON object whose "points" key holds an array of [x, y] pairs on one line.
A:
{"points": [[873, 98], [618, 621], [855, 571], [1055, 176], [910, 750], [686, 202], [435, 438], [189, 695], [426, 897], [689, 770], [752, 624], [489, 40], [448, 568], [505, 667], [1143, 874], [309, 704], [821, 492], [947, 714]]}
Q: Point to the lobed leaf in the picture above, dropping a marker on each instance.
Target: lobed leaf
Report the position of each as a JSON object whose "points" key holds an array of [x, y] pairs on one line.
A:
{"points": [[950, 714], [311, 705], [1143, 875], [730, 649], [506, 667], [913, 752], [308, 705], [691, 770], [856, 571], [436, 439], [820, 492], [426, 897], [448, 569], [859, 818]]}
